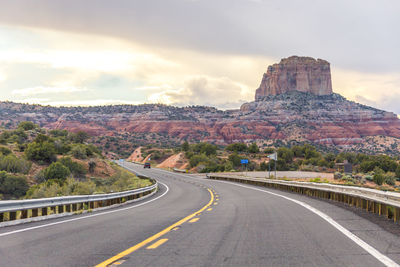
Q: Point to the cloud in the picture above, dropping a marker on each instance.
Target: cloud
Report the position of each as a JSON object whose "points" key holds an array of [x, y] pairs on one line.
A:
{"points": [[377, 90], [359, 35], [2, 77], [39, 90], [202, 90]]}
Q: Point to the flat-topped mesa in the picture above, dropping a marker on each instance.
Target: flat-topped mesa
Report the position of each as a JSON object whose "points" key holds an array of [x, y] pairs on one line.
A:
{"points": [[304, 74]]}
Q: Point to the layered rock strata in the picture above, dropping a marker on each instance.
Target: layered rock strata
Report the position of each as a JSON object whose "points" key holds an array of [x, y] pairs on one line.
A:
{"points": [[304, 74]]}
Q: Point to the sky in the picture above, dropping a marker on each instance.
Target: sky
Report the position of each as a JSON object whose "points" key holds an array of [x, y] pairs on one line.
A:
{"points": [[192, 52]]}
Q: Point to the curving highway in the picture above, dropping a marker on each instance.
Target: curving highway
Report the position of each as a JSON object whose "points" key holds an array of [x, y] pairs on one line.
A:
{"points": [[197, 222]]}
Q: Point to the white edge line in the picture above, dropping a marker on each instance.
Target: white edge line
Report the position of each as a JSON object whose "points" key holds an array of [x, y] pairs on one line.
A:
{"points": [[371, 250], [85, 217]]}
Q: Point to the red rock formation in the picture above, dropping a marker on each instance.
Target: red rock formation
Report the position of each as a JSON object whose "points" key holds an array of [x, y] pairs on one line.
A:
{"points": [[294, 102], [303, 74]]}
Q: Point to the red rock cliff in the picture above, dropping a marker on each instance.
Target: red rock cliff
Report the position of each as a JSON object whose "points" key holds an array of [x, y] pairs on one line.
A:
{"points": [[304, 74]]}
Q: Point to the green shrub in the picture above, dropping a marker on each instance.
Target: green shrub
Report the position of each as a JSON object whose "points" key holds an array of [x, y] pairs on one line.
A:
{"points": [[235, 159], [369, 177], [390, 178], [41, 152], [59, 133], [196, 159], [11, 163], [79, 151], [5, 151], [379, 176], [253, 148], [77, 169], [57, 171], [12, 185]]}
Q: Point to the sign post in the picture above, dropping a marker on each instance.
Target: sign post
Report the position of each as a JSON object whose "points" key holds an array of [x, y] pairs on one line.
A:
{"points": [[244, 162], [274, 157]]}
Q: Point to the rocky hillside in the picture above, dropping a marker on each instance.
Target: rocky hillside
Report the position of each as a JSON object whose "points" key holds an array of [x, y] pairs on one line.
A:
{"points": [[294, 103]]}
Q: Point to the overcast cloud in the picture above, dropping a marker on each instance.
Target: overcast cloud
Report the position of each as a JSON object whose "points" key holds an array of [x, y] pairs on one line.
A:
{"points": [[182, 36]]}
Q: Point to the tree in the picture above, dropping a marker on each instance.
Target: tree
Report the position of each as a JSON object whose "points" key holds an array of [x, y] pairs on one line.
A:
{"points": [[41, 138], [185, 146], [56, 170], [27, 125], [92, 166], [196, 159], [298, 151], [209, 149], [236, 147], [263, 166], [398, 172], [80, 137], [253, 148], [42, 152], [235, 159], [269, 150], [285, 154]]}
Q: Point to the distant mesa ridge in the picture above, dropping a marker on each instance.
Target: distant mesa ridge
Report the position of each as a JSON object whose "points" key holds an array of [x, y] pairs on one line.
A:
{"points": [[304, 74], [294, 103]]}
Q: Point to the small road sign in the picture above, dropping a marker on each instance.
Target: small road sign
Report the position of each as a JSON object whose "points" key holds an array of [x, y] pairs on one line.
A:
{"points": [[244, 161]]}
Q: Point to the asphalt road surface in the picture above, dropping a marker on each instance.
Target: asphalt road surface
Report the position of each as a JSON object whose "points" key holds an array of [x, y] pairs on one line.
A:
{"points": [[198, 222]]}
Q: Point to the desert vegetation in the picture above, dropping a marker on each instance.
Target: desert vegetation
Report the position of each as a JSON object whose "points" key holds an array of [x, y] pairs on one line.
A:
{"points": [[35, 162]]}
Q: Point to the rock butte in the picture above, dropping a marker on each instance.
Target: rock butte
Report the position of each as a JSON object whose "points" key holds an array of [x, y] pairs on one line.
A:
{"points": [[304, 74], [294, 102]]}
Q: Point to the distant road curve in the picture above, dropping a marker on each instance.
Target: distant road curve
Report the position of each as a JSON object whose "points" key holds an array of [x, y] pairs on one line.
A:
{"points": [[201, 222]]}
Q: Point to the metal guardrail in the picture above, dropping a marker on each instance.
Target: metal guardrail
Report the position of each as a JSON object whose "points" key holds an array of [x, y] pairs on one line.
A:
{"points": [[179, 170], [379, 202], [22, 209]]}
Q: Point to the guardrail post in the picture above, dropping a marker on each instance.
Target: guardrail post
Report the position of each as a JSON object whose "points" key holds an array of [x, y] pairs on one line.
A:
{"points": [[35, 212], [13, 215], [384, 210], [24, 214], [396, 214]]}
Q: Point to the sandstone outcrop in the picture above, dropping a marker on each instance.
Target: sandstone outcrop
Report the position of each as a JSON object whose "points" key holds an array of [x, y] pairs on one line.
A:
{"points": [[304, 74]]}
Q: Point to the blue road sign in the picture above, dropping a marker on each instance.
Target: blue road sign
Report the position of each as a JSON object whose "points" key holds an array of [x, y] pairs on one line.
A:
{"points": [[244, 161]]}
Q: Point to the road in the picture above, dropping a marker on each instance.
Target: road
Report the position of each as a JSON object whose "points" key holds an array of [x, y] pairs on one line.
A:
{"points": [[238, 225]]}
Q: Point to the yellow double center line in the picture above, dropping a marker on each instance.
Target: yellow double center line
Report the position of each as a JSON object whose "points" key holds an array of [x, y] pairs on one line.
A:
{"points": [[154, 237]]}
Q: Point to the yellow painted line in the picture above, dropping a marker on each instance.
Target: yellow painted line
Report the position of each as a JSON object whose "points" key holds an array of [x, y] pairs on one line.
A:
{"points": [[158, 243], [210, 209], [156, 236], [194, 220], [176, 228]]}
